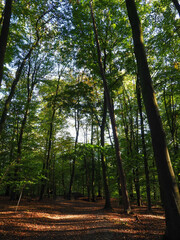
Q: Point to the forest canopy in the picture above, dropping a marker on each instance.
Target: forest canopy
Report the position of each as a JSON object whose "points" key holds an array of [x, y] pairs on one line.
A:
{"points": [[76, 83]]}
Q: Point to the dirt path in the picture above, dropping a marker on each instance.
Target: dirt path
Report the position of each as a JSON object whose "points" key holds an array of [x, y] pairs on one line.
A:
{"points": [[78, 220]]}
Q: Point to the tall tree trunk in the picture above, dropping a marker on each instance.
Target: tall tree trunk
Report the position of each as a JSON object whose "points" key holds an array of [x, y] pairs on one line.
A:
{"points": [[146, 167], [99, 178], [18, 73], [177, 5], [11, 160], [77, 122], [133, 147], [171, 119], [87, 178], [30, 88], [137, 186], [93, 164], [126, 202], [169, 190], [105, 181], [63, 180], [29, 97], [47, 162], [4, 35], [13, 87], [54, 177]]}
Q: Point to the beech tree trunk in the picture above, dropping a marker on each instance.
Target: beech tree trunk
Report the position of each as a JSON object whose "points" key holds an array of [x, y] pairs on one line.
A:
{"points": [[13, 87], [4, 34], [146, 167], [87, 178], [47, 161], [77, 122], [93, 164], [168, 187], [177, 5], [125, 197], [106, 187], [30, 87]]}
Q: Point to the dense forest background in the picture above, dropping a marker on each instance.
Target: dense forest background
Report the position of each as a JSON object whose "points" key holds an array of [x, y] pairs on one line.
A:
{"points": [[56, 128]]}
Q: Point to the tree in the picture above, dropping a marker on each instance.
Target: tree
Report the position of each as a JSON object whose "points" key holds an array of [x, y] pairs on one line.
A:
{"points": [[146, 165], [168, 187], [4, 34], [39, 25], [126, 201], [104, 172], [177, 5]]}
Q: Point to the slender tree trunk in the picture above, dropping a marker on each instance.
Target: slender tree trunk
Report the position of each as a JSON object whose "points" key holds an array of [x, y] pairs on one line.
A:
{"points": [[137, 187], [126, 202], [146, 167], [87, 178], [47, 162], [133, 147], [54, 177], [171, 119], [99, 167], [23, 124], [11, 160], [93, 165], [42, 189], [13, 88], [18, 75], [19, 146], [77, 122], [4, 35], [169, 190], [105, 181], [62, 179]]}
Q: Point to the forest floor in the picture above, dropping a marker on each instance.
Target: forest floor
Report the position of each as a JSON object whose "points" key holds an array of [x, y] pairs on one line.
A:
{"points": [[78, 220]]}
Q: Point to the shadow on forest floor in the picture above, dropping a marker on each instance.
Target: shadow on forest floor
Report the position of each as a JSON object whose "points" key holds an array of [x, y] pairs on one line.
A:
{"points": [[77, 219]]}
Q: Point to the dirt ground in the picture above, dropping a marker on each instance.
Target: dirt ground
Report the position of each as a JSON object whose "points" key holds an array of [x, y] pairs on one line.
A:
{"points": [[77, 219]]}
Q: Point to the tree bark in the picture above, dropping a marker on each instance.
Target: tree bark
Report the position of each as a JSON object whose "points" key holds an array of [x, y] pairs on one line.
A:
{"points": [[106, 187], [146, 167], [77, 122], [23, 124], [87, 178], [177, 5], [93, 164], [18, 73], [125, 197], [168, 187], [4, 35], [47, 161], [30, 88], [13, 87]]}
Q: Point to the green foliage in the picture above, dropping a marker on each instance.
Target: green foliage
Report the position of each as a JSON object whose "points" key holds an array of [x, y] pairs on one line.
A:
{"points": [[64, 68]]}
